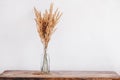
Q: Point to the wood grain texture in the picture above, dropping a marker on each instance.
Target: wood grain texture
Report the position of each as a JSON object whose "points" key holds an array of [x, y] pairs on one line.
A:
{"points": [[59, 75]]}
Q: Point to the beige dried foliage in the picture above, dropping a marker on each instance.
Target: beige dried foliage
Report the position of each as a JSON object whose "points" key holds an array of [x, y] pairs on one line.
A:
{"points": [[46, 23]]}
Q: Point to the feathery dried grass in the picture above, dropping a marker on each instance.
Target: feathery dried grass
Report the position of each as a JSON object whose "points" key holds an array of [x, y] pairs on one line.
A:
{"points": [[46, 23]]}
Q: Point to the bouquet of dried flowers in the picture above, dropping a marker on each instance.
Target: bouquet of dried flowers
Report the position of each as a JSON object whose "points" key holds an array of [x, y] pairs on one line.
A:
{"points": [[46, 23]]}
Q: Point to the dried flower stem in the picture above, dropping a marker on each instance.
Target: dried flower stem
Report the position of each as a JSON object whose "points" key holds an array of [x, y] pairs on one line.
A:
{"points": [[46, 24]]}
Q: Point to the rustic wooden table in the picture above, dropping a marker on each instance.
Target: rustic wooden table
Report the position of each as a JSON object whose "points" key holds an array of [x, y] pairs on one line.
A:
{"points": [[59, 75]]}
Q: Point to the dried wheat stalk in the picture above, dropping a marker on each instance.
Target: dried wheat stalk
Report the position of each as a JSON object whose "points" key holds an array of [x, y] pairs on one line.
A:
{"points": [[46, 23]]}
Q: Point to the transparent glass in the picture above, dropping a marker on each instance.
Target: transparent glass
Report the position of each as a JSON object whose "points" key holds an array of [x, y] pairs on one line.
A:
{"points": [[45, 65]]}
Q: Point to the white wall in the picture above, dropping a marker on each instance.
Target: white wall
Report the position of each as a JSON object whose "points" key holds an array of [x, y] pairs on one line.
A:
{"points": [[87, 37]]}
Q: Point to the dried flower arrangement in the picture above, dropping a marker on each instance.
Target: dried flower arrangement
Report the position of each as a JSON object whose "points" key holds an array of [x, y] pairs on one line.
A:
{"points": [[46, 26]]}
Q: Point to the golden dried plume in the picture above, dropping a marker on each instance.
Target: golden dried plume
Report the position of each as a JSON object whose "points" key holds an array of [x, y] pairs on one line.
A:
{"points": [[46, 23]]}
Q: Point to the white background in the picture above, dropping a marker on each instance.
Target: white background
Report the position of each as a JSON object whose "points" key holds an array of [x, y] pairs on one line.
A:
{"points": [[87, 36]]}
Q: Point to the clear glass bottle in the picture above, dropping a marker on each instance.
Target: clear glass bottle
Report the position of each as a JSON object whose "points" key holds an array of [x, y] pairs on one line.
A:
{"points": [[45, 65]]}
